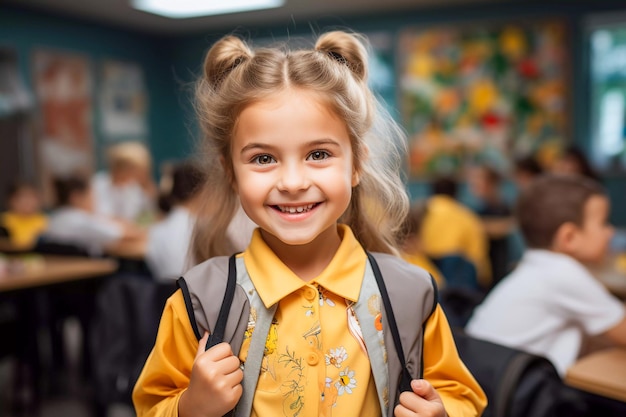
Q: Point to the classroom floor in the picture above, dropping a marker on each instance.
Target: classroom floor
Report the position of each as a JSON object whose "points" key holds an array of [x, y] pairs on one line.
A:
{"points": [[72, 394]]}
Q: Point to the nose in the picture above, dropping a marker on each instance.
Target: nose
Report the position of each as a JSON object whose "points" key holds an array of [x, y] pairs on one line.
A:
{"points": [[293, 177]]}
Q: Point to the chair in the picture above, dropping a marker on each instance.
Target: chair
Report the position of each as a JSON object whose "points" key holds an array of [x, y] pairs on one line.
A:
{"points": [[458, 271], [462, 293], [517, 383], [128, 311], [49, 247]]}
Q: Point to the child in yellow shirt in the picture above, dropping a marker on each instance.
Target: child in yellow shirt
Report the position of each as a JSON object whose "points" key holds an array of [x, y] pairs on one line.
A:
{"points": [[24, 219], [297, 140]]}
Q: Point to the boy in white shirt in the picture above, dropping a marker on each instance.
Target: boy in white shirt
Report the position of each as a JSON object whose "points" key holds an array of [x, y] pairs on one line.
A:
{"points": [[551, 302]]}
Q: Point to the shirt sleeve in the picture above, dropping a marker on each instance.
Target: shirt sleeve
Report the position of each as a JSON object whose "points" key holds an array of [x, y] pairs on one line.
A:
{"points": [[580, 297], [443, 368], [167, 370]]}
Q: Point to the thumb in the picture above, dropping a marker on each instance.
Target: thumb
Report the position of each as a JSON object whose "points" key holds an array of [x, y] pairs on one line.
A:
{"points": [[202, 344], [425, 390]]}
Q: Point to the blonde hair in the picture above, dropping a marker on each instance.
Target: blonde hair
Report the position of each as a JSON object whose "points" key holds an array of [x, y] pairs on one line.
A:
{"points": [[235, 76], [129, 154]]}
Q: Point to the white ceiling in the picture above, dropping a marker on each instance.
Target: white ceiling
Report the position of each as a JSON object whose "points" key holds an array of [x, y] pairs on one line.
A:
{"points": [[120, 13]]}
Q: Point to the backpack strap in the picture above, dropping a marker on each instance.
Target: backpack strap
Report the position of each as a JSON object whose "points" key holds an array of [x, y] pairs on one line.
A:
{"points": [[405, 381], [256, 351], [217, 335]]}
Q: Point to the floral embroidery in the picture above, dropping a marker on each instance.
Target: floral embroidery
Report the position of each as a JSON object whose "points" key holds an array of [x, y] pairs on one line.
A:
{"points": [[336, 357], [293, 387], [346, 382]]}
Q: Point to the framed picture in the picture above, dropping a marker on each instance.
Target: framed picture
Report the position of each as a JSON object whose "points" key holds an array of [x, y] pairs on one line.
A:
{"points": [[64, 91], [482, 93], [123, 102]]}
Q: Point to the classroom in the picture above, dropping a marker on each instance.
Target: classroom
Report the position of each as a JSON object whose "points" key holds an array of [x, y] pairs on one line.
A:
{"points": [[506, 122]]}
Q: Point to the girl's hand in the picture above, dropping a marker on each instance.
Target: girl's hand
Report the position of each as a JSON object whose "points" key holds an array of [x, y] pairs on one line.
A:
{"points": [[215, 384], [424, 401]]}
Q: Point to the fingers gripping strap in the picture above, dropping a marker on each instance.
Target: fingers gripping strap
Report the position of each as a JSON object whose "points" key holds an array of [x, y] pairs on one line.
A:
{"points": [[405, 382], [217, 335]]}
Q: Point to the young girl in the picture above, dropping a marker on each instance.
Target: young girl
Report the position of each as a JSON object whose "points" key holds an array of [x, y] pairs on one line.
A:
{"points": [[296, 139]]}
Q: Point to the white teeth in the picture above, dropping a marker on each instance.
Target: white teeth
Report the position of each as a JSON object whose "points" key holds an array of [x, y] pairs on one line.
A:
{"points": [[293, 210]]}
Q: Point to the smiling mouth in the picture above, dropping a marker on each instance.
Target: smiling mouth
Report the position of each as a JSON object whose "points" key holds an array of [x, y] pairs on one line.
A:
{"points": [[295, 209]]}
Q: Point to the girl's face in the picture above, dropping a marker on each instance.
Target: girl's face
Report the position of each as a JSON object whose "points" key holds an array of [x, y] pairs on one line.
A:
{"points": [[293, 168]]}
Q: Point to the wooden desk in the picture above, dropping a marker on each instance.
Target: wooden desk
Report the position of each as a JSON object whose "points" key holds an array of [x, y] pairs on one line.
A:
{"points": [[602, 373], [57, 269]]}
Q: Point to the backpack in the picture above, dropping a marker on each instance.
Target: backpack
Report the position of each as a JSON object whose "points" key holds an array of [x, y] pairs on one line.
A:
{"points": [[217, 336], [517, 383], [218, 333]]}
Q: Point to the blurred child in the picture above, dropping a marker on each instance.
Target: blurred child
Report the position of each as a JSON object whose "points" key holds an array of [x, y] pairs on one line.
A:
{"points": [[572, 160], [126, 191], [451, 228], [525, 170], [550, 301], [24, 219], [74, 222], [295, 139], [412, 251]]}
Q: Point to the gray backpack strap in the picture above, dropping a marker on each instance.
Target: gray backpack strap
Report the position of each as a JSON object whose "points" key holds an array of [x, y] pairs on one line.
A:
{"points": [[373, 337], [252, 366]]}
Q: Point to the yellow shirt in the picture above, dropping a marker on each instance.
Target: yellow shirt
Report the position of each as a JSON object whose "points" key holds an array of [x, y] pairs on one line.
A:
{"points": [[451, 228], [314, 364], [23, 229]]}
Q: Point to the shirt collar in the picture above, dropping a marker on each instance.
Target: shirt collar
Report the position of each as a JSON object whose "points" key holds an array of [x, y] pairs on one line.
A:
{"points": [[273, 280]]}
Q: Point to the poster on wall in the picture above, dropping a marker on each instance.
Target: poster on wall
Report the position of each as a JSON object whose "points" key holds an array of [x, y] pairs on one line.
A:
{"points": [[482, 94], [63, 87], [123, 104]]}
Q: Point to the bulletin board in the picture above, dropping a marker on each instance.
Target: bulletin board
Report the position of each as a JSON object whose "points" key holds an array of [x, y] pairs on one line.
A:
{"points": [[482, 93]]}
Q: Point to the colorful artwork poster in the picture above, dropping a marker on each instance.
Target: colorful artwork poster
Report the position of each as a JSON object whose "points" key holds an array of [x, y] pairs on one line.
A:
{"points": [[482, 93], [123, 103], [63, 87]]}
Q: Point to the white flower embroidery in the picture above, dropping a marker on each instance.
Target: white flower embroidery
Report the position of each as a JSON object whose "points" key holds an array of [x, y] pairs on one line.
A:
{"points": [[336, 356], [346, 382]]}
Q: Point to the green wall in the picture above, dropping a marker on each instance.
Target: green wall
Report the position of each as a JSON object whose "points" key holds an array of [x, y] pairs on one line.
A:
{"points": [[26, 31]]}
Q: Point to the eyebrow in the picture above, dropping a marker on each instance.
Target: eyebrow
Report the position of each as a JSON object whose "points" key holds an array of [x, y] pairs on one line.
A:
{"points": [[311, 144]]}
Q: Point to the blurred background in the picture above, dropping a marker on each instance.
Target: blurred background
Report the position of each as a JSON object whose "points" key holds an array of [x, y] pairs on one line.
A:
{"points": [[475, 83]]}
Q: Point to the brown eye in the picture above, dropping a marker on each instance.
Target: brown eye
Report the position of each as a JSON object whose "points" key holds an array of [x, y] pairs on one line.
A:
{"points": [[263, 159], [318, 155]]}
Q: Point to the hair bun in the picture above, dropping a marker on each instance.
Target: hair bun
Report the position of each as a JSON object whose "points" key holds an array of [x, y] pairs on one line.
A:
{"points": [[223, 57], [346, 48]]}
